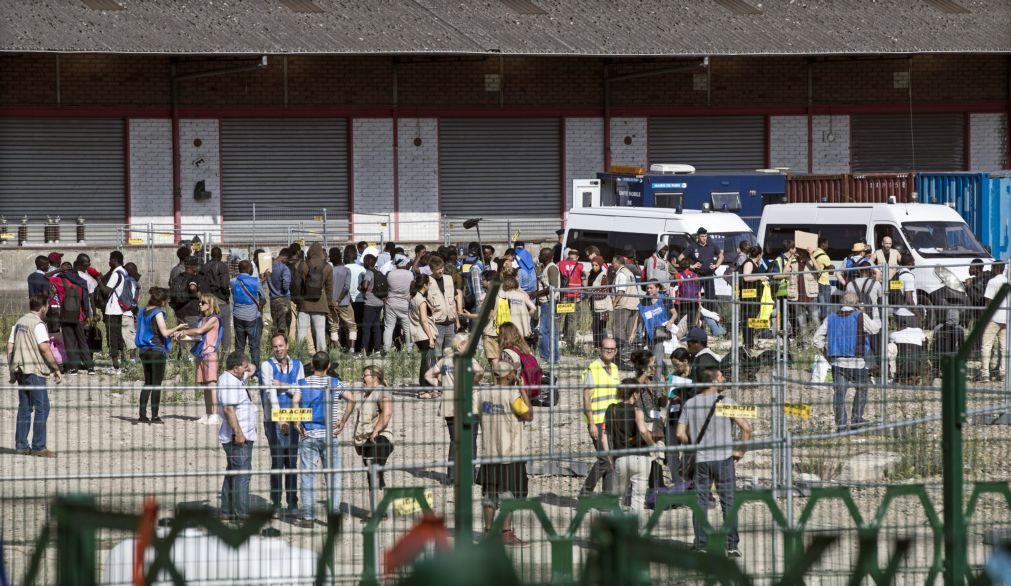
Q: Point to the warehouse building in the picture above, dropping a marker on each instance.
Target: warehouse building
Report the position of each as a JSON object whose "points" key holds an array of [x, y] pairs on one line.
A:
{"points": [[393, 115]]}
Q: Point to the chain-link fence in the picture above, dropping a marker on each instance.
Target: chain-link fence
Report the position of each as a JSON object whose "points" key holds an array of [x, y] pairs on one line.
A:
{"points": [[804, 472]]}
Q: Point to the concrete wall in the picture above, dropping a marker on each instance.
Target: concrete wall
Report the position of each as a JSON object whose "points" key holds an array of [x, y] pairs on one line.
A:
{"points": [[584, 151], [788, 142]]}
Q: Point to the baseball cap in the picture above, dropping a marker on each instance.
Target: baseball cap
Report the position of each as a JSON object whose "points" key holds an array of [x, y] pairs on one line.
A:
{"points": [[559, 232], [504, 367], [55, 257], [903, 312], [697, 335]]}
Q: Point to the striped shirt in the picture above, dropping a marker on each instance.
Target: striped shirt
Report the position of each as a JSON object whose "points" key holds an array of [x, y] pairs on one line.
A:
{"points": [[322, 382]]}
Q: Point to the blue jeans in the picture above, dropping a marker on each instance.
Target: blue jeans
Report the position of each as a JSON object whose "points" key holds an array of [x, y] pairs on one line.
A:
{"points": [[31, 399], [283, 456], [235, 489], [724, 474], [312, 453], [824, 300], [714, 327], [842, 379], [544, 328], [249, 332]]}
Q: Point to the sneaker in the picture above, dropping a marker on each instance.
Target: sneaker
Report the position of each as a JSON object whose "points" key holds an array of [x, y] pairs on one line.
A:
{"points": [[510, 540], [203, 420], [44, 453], [214, 419], [143, 419], [733, 553], [92, 371], [157, 420]]}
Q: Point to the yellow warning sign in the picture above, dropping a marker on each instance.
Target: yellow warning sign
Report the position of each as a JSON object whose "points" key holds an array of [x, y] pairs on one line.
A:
{"points": [[797, 410], [291, 415], [135, 240], [895, 285], [317, 218], [758, 323], [6, 236], [409, 505], [565, 308], [749, 293], [737, 411]]}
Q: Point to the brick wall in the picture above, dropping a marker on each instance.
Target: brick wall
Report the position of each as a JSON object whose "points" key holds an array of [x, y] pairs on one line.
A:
{"points": [[831, 142], [988, 147], [788, 142], [373, 176], [628, 141], [418, 174], [151, 172], [206, 214], [584, 151]]}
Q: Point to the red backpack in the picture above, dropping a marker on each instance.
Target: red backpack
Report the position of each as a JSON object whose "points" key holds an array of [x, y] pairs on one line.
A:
{"points": [[530, 372]]}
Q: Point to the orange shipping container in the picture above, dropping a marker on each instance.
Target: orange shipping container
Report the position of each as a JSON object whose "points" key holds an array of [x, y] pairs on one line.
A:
{"points": [[877, 187]]}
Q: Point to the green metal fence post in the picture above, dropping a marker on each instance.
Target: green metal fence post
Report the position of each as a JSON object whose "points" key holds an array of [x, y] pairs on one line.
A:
{"points": [[463, 467], [75, 541], [952, 418]]}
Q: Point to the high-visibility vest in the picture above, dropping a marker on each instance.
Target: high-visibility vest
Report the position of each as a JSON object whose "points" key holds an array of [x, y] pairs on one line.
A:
{"points": [[605, 390]]}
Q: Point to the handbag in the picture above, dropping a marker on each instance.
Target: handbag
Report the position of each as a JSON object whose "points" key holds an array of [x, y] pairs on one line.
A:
{"points": [[688, 461]]}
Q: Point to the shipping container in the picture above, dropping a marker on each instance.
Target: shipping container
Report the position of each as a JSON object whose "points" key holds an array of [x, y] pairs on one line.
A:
{"points": [[960, 191], [816, 188], [995, 216], [878, 187]]}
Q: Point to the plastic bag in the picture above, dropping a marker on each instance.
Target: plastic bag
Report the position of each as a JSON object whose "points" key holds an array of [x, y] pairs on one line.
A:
{"points": [[59, 352], [819, 369]]}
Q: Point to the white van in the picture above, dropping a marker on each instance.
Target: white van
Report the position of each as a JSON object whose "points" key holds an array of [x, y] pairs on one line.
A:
{"points": [[940, 241], [611, 228]]}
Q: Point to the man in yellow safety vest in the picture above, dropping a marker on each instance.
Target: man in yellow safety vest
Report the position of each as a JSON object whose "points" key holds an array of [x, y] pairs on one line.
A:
{"points": [[600, 389]]}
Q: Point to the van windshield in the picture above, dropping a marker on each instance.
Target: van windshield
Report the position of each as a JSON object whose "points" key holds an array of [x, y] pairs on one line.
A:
{"points": [[728, 241], [942, 240]]}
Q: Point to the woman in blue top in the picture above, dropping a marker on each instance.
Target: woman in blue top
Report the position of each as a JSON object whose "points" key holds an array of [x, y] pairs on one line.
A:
{"points": [[153, 339]]}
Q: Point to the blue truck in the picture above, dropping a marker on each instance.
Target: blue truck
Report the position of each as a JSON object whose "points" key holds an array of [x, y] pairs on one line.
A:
{"points": [[744, 194]]}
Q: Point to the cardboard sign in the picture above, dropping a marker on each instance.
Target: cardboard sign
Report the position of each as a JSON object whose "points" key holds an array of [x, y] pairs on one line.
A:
{"points": [[565, 308], [737, 411], [805, 240], [797, 410], [749, 293], [264, 262], [758, 323], [895, 285], [291, 415], [135, 240]]}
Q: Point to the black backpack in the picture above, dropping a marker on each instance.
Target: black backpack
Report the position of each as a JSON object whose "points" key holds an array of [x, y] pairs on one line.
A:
{"points": [[313, 286], [895, 294], [179, 292], [70, 311], [380, 286], [103, 293], [297, 283], [947, 339]]}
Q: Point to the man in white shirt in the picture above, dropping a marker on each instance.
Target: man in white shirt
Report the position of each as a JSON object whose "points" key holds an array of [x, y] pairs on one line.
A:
{"points": [[30, 361], [236, 434], [996, 330], [113, 311]]}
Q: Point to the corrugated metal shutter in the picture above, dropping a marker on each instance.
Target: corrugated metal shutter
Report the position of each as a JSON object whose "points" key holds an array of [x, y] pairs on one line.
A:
{"points": [[62, 166], [709, 143], [886, 142], [300, 164], [500, 167]]}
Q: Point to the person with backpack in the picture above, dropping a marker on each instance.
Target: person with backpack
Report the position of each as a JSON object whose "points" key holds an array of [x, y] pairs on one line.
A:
{"points": [[247, 314], [205, 351], [516, 349], [471, 270], [572, 277], [513, 307], [357, 271], [656, 266], [317, 447], [946, 338], [184, 294], [526, 269], [341, 313], [214, 279], [74, 312], [442, 376], [110, 297], [317, 278], [372, 286], [716, 458], [706, 256], [154, 339]]}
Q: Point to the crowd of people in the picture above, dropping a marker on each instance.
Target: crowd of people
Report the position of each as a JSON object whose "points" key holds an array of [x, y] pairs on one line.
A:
{"points": [[649, 316]]}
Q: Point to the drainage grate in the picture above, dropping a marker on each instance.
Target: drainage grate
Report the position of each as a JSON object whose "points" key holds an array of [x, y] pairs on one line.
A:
{"points": [[301, 6], [523, 7], [738, 6], [103, 5], [949, 6]]}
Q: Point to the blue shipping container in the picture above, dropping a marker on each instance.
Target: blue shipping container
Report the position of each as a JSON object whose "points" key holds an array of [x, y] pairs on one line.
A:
{"points": [[983, 199], [742, 193]]}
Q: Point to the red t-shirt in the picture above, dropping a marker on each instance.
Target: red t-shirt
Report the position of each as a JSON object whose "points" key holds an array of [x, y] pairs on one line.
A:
{"points": [[572, 276]]}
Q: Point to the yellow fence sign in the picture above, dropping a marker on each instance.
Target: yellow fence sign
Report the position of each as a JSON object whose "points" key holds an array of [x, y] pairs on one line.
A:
{"points": [[758, 323], [737, 411], [6, 236], [291, 415], [749, 293], [565, 308], [135, 240], [895, 285], [797, 410], [409, 505]]}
